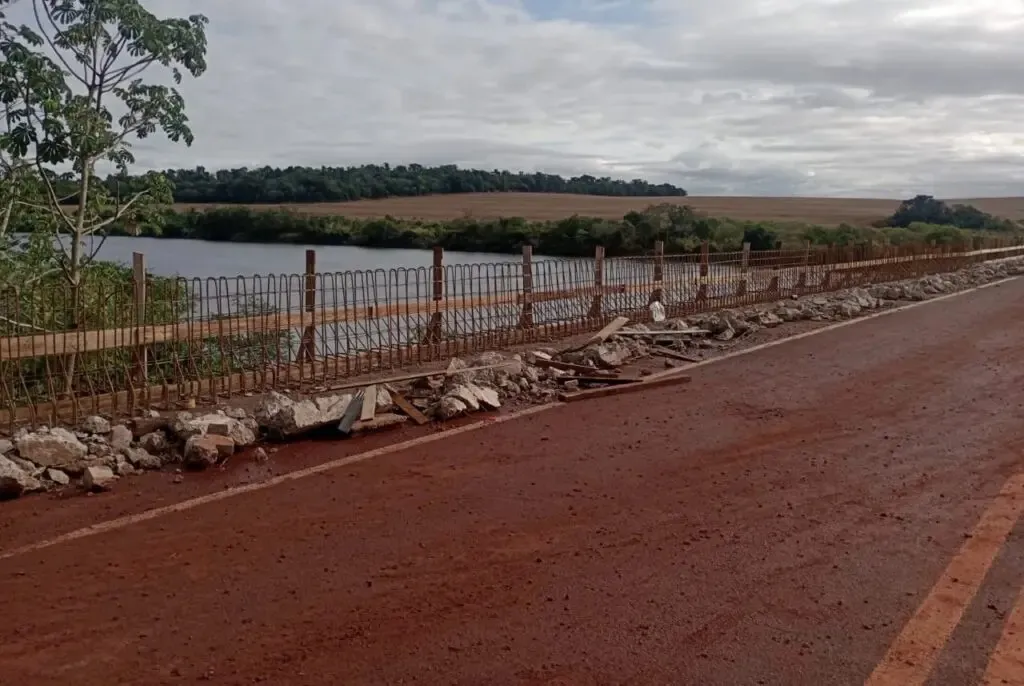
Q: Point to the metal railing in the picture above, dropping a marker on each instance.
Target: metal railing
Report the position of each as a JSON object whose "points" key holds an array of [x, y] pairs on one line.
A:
{"points": [[148, 341]]}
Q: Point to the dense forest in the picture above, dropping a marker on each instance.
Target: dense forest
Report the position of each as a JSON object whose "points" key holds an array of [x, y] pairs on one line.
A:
{"points": [[339, 184]]}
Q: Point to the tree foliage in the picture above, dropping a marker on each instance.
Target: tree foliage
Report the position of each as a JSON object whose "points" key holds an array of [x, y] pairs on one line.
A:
{"points": [[925, 209], [74, 95], [340, 184]]}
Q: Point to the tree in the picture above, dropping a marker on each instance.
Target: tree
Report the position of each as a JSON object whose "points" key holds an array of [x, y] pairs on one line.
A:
{"points": [[103, 47], [77, 75]]}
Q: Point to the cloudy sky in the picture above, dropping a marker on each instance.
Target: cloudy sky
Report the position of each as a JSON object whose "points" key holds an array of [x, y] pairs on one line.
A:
{"points": [[735, 97]]}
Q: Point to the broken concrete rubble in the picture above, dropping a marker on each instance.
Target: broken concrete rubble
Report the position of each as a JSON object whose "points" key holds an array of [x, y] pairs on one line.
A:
{"points": [[155, 442], [55, 448], [58, 477], [14, 481], [98, 478], [206, 450], [96, 425], [283, 417], [120, 438]]}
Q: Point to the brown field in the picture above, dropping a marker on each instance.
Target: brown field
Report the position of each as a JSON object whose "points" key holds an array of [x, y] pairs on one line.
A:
{"points": [[538, 206]]}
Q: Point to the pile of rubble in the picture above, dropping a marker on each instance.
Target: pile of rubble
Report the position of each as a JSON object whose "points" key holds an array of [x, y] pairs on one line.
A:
{"points": [[99, 452]]}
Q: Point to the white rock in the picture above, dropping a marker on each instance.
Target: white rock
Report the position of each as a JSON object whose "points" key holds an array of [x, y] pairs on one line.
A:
{"points": [[384, 401], [125, 469], [97, 478], [96, 425], [236, 413], [58, 477], [206, 450], [120, 437], [14, 480], [56, 448], [141, 458], [5, 446], [450, 406], [487, 397], [466, 395], [282, 416], [155, 442]]}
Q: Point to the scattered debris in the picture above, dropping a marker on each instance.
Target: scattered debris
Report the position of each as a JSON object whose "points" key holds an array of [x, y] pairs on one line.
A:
{"points": [[96, 425], [206, 450], [601, 336], [668, 352], [405, 406], [120, 438], [51, 448], [14, 481], [351, 413], [98, 478], [637, 385], [380, 421], [369, 407]]}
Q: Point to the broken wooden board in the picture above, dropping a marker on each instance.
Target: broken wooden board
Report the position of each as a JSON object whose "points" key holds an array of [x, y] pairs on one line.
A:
{"points": [[355, 406], [570, 367], [414, 376], [648, 383], [601, 336], [613, 380], [407, 407], [668, 352], [665, 332], [380, 421], [369, 408]]}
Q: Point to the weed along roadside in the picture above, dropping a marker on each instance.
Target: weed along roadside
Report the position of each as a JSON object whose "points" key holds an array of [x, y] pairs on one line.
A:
{"points": [[626, 355]]}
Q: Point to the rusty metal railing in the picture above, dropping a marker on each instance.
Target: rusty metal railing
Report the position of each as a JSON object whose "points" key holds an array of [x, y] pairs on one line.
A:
{"points": [[145, 341]]}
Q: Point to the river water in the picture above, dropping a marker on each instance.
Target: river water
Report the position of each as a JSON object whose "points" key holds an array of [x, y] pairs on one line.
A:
{"points": [[190, 258]]}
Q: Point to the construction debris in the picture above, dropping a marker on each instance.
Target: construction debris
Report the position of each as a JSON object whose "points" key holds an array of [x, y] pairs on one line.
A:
{"points": [[637, 385], [101, 450]]}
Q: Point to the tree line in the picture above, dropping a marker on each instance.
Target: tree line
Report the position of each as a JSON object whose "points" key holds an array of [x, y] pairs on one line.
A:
{"points": [[272, 185], [926, 209], [682, 228]]}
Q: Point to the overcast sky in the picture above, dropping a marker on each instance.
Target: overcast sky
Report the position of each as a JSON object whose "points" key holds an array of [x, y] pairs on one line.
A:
{"points": [[736, 97]]}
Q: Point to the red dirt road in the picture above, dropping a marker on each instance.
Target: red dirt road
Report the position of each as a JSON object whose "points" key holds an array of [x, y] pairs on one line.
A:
{"points": [[777, 521]]}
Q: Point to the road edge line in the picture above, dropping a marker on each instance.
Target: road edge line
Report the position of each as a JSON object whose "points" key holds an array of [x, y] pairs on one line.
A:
{"points": [[913, 654]]}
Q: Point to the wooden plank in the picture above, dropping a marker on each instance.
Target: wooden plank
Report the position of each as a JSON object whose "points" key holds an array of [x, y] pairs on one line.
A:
{"points": [[665, 332], [351, 413], [570, 367], [407, 407], [668, 352], [369, 408], [627, 388], [601, 336], [613, 380], [416, 375]]}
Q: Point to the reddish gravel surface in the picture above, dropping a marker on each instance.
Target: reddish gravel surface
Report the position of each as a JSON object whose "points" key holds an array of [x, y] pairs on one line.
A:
{"points": [[777, 521]]}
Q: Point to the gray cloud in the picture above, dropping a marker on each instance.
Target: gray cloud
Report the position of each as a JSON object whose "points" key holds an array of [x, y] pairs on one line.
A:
{"points": [[844, 97]]}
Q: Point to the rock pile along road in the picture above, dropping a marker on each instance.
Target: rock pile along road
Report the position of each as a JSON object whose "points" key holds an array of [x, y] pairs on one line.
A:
{"points": [[840, 509]]}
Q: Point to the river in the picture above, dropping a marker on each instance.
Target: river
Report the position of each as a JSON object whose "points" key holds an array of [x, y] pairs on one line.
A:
{"points": [[190, 258]]}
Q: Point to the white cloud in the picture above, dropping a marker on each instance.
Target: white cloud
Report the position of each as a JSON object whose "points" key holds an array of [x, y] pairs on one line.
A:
{"points": [[811, 97]]}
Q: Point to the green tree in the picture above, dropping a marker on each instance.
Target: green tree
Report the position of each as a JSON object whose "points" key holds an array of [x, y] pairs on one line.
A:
{"points": [[93, 112]]}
